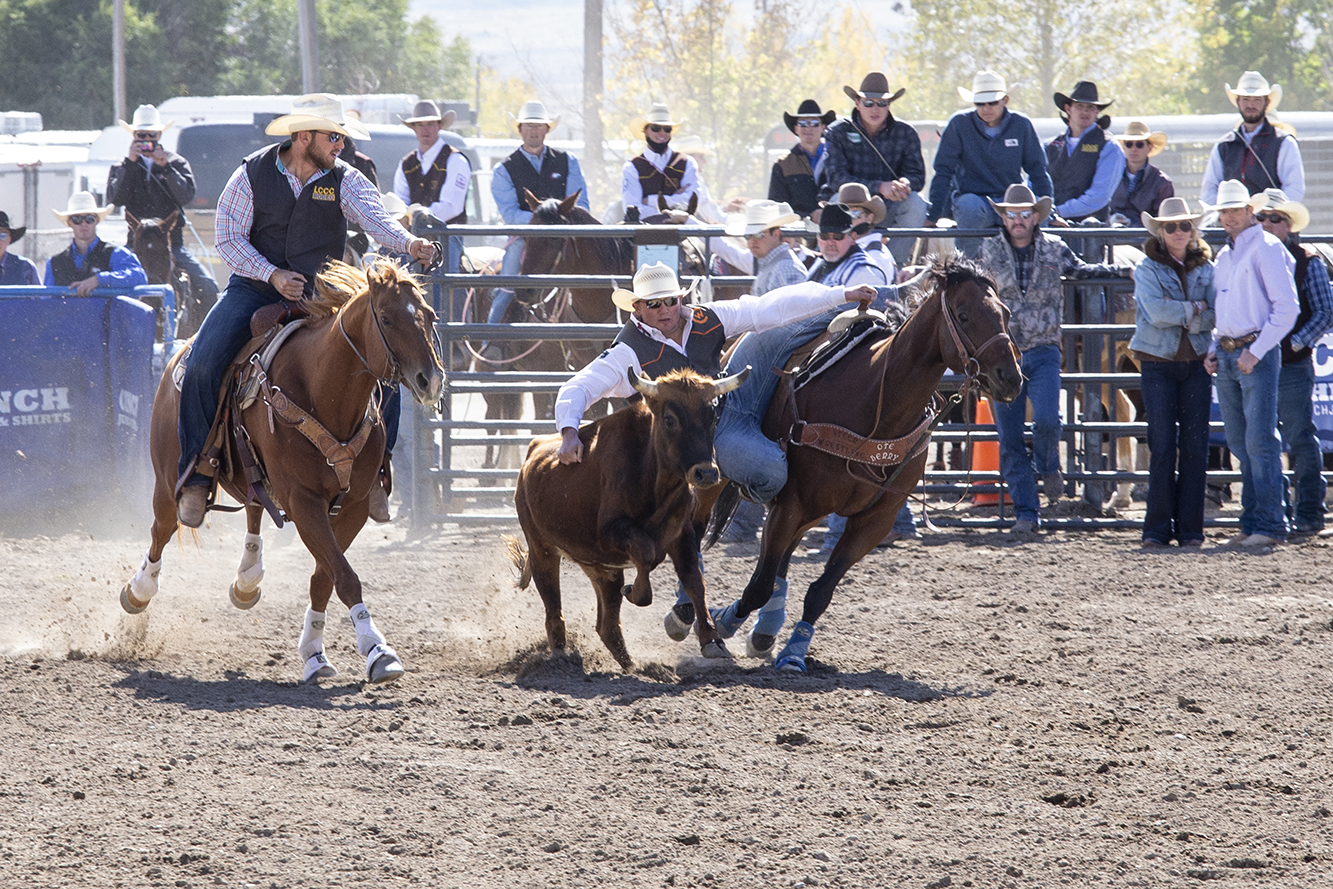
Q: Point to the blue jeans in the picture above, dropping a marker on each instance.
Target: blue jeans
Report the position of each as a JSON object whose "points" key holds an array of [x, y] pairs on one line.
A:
{"points": [[456, 296], [903, 524], [503, 296], [1177, 398], [972, 211], [1041, 386], [1295, 421], [1249, 411]]}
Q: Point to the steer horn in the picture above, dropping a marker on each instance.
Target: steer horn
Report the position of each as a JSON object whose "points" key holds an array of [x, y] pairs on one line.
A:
{"points": [[643, 385], [730, 384]]}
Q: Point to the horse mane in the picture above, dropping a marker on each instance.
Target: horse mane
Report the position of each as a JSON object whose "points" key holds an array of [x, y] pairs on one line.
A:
{"points": [[338, 283], [613, 251], [949, 271]]}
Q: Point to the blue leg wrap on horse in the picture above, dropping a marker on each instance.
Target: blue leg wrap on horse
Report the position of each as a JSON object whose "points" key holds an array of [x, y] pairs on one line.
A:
{"points": [[726, 621], [793, 654], [774, 613]]}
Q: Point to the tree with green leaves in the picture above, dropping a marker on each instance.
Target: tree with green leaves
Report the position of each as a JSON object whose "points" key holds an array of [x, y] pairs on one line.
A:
{"points": [[1287, 41]]}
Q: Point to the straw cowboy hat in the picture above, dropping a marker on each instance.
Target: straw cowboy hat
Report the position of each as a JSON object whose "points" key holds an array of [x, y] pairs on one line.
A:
{"points": [[987, 86], [1278, 202], [857, 196], [1252, 83], [79, 204], [533, 111], [147, 119], [873, 86], [1020, 197], [1083, 91], [393, 205], [1172, 210], [1138, 131], [1232, 195], [809, 110], [317, 111], [426, 111], [14, 233], [760, 216], [658, 114], [653, 281]]}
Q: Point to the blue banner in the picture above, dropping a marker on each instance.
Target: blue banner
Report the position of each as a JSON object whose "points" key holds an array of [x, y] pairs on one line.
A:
{"points": [[1323, 391]]}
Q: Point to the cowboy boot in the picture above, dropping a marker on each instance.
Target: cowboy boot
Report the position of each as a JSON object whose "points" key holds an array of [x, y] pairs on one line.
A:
{"points": [[379, 494], [191, 505]]}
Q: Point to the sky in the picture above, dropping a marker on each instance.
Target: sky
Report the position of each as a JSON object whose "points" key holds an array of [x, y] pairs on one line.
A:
{"points": [[542, 40]]}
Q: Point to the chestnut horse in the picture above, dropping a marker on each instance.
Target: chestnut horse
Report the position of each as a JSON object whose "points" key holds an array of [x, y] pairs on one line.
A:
{"points": [[878, 393], [363, 327]]}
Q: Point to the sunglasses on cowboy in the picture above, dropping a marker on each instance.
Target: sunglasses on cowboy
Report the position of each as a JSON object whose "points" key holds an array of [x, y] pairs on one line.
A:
{"points": [[1135, 143], [1018, 214], [667, 301], [82, 219], [1172, 227], [874, 103], [1273, 218], [658, 128], [832, 236]]}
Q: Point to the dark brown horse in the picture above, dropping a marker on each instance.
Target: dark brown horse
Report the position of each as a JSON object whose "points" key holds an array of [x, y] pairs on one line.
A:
{"points": [[876, 394], [364, 326], [152, 244]]}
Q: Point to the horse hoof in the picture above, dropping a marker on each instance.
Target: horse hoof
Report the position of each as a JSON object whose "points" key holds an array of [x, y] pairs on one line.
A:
{"points": [[714, 649], [244, 604], [759, 645], [128, 602], [317, 667], [791, 664], [383, 665], [678, 622]]}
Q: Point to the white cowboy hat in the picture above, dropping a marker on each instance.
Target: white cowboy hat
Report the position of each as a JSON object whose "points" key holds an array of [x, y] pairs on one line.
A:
{"points": [[1020, 197], [393, 205], [533, 111], [1138, 131], [987, 86], [317, 111], [760, 216], [653, 281], [426, 111], [1252, 83], [657, 114], [80, 203], [1232, 195], [693, 145], [146, 119], [1293, 210], [1173, 209]]}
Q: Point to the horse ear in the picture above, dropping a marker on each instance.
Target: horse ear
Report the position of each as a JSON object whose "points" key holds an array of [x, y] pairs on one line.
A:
{"points": [[532, 200], [378, 274], [567, 205], [693, 205], [131, 221], [169, 224]]}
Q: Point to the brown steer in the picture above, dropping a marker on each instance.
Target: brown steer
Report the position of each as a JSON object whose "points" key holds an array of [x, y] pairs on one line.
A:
{"points": [[629, 502]]}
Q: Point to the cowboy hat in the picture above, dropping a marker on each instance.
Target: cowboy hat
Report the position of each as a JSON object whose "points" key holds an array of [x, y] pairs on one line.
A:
{"points": [[1173, 209], [873, 86], [317, 111], [427, 111], [14, 233], [393, 205], [657, 115], [80, 203], [1252, 83], [1084, 91], [1232, 195], [760, 216], [1138, 131], [653, 281], [836, 218], [856, 196], [693, 145], [1020, 197], [987, 86], [146, 119], [809, 109], [533, 111], [1294, 211]]}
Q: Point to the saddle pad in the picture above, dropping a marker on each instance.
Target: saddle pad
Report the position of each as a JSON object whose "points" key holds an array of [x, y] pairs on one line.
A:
{"points": [[178, 372], [831, 351], [248, 385]]}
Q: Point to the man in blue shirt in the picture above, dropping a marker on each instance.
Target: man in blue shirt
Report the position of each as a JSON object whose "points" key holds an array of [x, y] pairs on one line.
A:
{"points": [[90, 262], [14, 269], [1084, 165], [546, 172]]}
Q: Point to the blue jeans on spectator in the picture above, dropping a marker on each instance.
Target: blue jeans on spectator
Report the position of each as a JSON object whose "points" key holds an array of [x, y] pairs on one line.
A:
{"points": [[456, 296], [1177, 398], [1295, 418], [973, 211], [1041, 386], [503, 296], [903, 524], [1249, 411]]}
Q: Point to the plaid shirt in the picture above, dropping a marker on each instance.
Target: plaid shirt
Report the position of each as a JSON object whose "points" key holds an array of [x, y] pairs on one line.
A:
{"points": [[360, 203], [1317, 292], [852, 156]]}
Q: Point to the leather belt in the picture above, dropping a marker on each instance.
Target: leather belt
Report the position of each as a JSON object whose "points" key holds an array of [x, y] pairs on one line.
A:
{"points": [[1235, 344]]}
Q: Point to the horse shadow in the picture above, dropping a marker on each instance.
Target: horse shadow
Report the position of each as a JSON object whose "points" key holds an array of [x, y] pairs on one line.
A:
{"points": [[238, 692]]}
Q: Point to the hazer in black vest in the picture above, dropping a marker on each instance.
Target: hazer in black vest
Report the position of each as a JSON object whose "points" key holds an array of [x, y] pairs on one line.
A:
{"points": [[1254, 164], [1072, 175], [424, 185], [552, 181], [703, 350], [297, 233], [66, 273]]}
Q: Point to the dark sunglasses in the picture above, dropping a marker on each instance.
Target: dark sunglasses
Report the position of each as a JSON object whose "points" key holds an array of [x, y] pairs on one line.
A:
{"points": [[655, 128], [1017, 214], [1274, 218], [809, 123], [758, 235], [875, 103], [334, 138], [832, 236], [146, 136], [1171, 227], [1136, 143], [83, 219], [668, 301], [987, 104]]}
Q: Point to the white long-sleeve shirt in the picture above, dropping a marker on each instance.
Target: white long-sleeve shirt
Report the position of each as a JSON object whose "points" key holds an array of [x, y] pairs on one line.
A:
{"points": [[1255, 290], [606, 375], [453, 193], [631, 191]]}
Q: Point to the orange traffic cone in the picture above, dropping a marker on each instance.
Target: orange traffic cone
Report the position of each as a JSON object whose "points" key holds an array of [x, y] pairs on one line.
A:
{"points": [[986, 455]]}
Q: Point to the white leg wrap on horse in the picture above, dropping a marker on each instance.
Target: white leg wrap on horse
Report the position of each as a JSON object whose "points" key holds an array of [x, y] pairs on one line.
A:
{"points": [[144, 582], [251, 570], [367, 634], [311, 648]]}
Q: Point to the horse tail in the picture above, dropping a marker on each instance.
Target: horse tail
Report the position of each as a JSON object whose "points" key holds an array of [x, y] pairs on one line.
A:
{"points": [[724, 508], [519, 556]]}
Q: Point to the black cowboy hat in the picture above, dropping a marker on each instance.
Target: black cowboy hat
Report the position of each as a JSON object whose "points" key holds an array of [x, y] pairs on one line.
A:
{"points": [[809, 108], [873, 86], [1083, 91], [14, 233], [837, 219]]}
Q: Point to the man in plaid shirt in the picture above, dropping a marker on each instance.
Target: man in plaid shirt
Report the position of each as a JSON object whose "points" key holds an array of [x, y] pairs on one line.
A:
{"points": [[881, 153]]}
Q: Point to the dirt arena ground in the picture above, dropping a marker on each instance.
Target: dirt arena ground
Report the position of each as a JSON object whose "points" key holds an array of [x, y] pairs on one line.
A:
{"points": [[1071, 711]]}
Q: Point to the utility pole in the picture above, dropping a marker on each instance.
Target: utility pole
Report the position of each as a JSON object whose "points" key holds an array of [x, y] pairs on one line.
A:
{"points": [[118, 59], [307, 26], [593, 138]]}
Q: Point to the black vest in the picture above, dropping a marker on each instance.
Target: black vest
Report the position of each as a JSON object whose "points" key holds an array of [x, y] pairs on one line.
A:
{"points": [[1072, 176], [664, 182], [703, 350], [1303, 259], [97, 260], [1257, 168], [296, 233], [551, 182], [424, 186]]}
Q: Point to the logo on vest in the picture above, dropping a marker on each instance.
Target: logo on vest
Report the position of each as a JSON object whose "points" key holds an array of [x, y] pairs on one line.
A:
{"points": [[1010, 143], [854, 138], [700, 315], [324, 193], [1090, 149]]}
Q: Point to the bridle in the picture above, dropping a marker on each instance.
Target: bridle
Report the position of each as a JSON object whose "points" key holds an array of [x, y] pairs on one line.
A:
{"points": [[392, 368], [963, 343]]}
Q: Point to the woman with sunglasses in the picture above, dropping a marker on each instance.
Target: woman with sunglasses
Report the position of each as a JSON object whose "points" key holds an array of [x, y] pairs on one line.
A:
{"points": [[1174, 296], [1142, 186], [660, 171]]}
